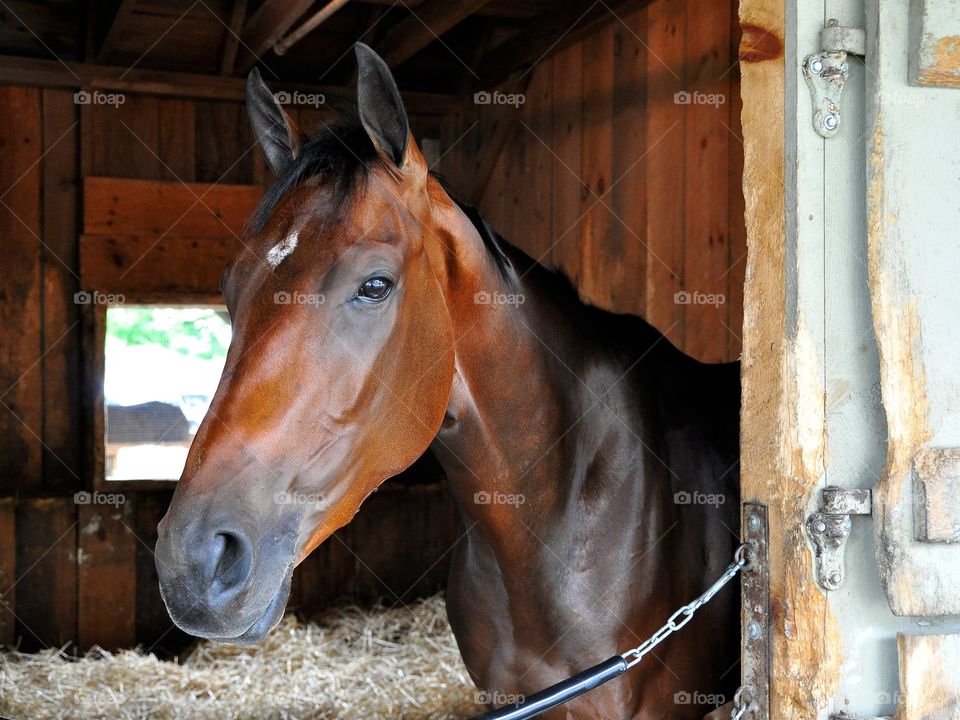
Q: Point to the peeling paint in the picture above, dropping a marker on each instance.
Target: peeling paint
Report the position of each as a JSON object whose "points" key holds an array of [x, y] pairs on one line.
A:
{"points": [[940, 66], [916, 577], [783, 446], [929, 683], [812, 646], [934, 43]]}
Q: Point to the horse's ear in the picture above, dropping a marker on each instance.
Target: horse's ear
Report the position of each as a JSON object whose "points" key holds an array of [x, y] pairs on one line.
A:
{"points": [[279, 138], [381, 109]]}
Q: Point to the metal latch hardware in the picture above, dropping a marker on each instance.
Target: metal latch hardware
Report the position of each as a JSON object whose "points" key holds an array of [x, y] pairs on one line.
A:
{"points": [[826, 73], [829, 529], [753, 698]]}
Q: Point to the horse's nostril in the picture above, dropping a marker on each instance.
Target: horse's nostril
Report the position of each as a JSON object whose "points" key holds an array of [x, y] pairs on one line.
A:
{"points": [[232, 560]]}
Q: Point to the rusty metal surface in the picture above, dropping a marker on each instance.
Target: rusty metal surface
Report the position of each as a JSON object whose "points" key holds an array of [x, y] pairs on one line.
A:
{"points": [[838, 501], [755, 612]]}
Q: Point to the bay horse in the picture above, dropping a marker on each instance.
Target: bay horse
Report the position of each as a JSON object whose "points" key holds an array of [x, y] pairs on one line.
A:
{"points": [[594, 464]]}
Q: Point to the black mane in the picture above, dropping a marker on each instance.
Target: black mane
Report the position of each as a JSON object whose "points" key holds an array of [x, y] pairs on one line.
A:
{"points": [[343, 153]]}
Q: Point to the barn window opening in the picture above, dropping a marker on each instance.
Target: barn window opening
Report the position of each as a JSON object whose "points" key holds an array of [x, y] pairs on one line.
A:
{"points": [[161, 368]]}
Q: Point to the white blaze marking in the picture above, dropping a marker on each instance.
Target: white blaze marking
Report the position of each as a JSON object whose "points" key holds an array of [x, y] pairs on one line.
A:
{"points": [[279, 252]]}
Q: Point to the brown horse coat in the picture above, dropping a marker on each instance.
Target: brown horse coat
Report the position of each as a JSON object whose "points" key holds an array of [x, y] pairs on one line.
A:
{"points": [[594, 465]]}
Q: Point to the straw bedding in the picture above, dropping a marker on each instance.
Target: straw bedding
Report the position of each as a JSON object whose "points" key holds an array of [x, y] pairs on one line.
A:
{"points": [[352, 663]]}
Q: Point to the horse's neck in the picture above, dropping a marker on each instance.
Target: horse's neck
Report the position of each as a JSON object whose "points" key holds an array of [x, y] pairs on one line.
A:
{"points": [[512, 444]]}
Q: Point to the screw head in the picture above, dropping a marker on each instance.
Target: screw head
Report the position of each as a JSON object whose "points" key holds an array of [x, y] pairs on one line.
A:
{"points": [[753, 523], [835, 578], [819, 526], [830, 121], [816, 66], [753, 630], [845, 68]]}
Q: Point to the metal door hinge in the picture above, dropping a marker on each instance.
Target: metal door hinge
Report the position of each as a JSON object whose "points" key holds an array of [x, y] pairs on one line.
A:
{"points": [[829, 529], [827, 71]]}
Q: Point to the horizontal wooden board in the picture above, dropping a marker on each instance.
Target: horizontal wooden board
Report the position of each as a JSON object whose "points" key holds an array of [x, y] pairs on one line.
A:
{"points": [[34, 72], [113, 206], [145, 264]]}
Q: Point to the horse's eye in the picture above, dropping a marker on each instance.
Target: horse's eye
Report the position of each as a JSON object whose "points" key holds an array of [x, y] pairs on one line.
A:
{"points": [[375, 289]]}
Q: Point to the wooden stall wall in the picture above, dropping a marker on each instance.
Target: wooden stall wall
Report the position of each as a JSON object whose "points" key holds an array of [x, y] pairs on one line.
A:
{"points": [[74, 574], [604, 172], [623, 168]]}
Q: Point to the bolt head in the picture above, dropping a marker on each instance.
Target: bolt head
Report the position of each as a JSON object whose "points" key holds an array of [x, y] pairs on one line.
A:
{"points": [[845, 67], [835, 578], [819, 526], [830, 121], [753, 630], [816, 67]]}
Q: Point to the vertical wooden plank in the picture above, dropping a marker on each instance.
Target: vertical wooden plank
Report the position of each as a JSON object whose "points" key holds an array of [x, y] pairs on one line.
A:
{"points": [[106, 572], [224, 143], [597, 150], [177, 139], [467, 150], [533, 215], [495, 201], [380, 529], [384, 569], [20, 289], [8, 572], [452, 144], [706, 229], [327, 574], [61, 315], [625, 255], [126, 139], [567, 186], [46, 573], [438, 515], [667, 28], [737, 262], [154, 628]]}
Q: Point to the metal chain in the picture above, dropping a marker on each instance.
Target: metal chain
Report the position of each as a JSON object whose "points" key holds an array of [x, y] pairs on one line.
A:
{"points": [[685, 613], [741, 706]]}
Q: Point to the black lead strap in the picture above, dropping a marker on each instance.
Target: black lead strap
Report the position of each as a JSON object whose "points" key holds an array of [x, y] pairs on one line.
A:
{"points": [[616, 666], [561, 692]]}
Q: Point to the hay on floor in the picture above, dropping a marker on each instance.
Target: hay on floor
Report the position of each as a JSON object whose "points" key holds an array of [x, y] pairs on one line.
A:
{"points": [[353, 663]]}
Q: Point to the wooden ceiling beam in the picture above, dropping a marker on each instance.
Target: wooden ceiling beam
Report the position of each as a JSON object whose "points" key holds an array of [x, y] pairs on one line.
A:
{"points": [[268, 24], [74, 76], [116, 27], [548, 35], [422, 26], [232, 40]]}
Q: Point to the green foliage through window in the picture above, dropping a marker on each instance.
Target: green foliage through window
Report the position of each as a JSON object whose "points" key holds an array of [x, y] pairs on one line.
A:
{"points": [[196, 332]]}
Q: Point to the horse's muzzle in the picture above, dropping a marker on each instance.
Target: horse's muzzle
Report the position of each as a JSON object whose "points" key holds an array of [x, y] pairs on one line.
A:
{"points": [[221, 581]]}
